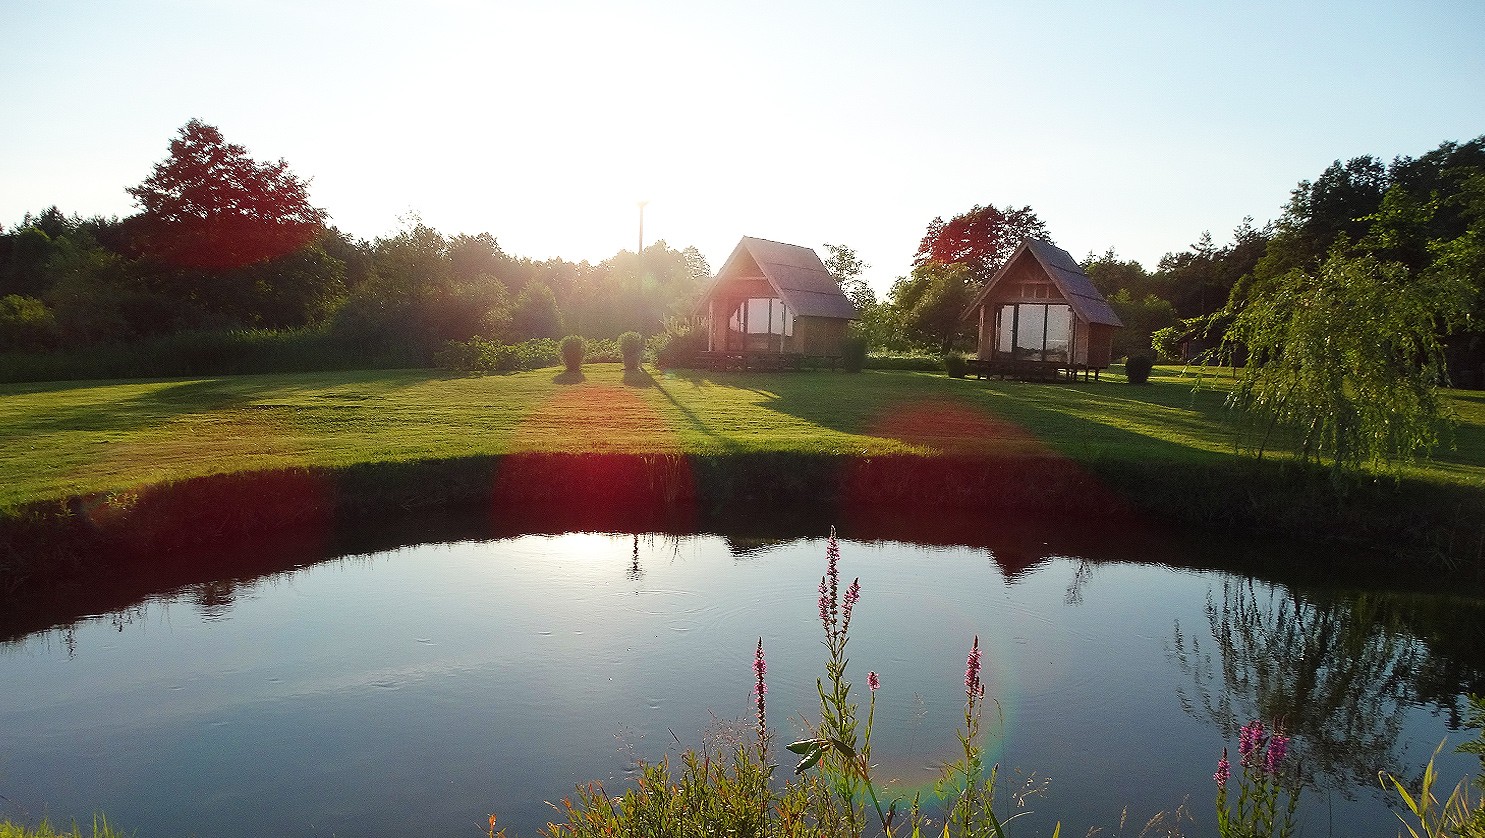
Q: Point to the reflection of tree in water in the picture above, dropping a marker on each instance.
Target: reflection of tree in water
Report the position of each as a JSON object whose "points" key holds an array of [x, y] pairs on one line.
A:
{"points": [[1081, 575], [214, 599], [1334, 671], [635, 572]]}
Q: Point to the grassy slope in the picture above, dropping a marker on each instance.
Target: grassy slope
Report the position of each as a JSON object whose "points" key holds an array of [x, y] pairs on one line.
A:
{"points": [[68, 438]]}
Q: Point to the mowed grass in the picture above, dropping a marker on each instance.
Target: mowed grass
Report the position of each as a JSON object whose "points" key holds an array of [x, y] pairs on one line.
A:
{"points": [[70, 438]]}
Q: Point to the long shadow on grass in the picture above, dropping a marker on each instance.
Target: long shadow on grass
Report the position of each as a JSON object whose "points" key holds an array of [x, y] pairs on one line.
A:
{"points": [[691, 418], [153, 407], [745, 381], [162, 404], [1079, 421], [1116, 433]]}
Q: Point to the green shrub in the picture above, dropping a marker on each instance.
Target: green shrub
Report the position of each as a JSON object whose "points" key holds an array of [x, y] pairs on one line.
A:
{"points": [[904, 361], [600, 351], [573, 349], [631, 346], [853, 353], [954, 365], [678, 349], [1137, 369], [26, 324], [480, 355]]}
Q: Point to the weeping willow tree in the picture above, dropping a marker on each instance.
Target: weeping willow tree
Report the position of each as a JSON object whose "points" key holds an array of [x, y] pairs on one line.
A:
{"points": [[1344, 364]]}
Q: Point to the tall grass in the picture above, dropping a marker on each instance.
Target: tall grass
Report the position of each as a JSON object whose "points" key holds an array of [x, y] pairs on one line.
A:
{"points": [[730, 790], [101, 829]]}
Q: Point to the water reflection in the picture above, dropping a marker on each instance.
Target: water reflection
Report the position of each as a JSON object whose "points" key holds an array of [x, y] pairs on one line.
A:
{"points": [[214, 599], [1334, 668], [635, 572], [453, 679]]}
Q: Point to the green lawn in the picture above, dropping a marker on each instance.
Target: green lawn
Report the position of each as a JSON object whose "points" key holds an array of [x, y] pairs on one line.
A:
{"points": [[68, 438]]}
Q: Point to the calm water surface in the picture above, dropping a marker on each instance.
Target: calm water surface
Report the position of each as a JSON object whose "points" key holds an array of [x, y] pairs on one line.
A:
{"points": [[417, 690]]}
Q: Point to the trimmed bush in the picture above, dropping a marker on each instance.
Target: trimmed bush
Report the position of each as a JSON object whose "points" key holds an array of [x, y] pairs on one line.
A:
{"points": [[480, 355], [631, 346], [853, 353], [901, 361], [573, 349], [1137, 369], [954, 365], [678, 350]]}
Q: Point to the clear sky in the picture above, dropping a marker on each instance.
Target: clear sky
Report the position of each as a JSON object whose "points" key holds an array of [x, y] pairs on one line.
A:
{"points": [[1131, 125]]}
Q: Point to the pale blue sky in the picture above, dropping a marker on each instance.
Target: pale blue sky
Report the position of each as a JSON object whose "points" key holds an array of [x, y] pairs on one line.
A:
{"points": [[1127, 125]]}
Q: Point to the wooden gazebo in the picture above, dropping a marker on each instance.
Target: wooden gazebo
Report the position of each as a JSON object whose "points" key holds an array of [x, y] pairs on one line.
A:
{"points": [[774, 305], [1040, 315]]}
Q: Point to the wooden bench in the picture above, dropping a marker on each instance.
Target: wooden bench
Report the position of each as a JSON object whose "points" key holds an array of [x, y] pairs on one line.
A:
{"points": [[1024, 370]]}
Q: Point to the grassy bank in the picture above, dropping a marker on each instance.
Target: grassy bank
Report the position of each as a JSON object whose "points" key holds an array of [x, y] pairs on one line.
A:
{"points": [[879, 440]]}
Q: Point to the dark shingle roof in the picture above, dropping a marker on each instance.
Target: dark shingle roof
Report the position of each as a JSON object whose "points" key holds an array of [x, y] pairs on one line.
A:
{"points": [[1065, 273], [795, 272]]}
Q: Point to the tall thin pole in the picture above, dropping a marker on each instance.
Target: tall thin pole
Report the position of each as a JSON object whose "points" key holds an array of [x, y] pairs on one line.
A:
{"points": [[641, 227]]}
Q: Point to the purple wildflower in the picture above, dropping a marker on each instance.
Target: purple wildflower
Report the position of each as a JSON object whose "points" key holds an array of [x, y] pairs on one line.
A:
{"points": [[853, 594], [872, 681], [972, 686], [1250, 739], [830, 589], [760, 690], [825, 605], [832, 564], [1278, 745], [1223, 771]]}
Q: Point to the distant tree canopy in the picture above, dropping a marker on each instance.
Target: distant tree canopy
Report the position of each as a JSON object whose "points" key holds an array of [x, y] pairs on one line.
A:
{"points": [[1423, 215], [209, 205], [954, 259], [929, 301], [222, 242], [846, 268], [1370, 296], [980, 239]]}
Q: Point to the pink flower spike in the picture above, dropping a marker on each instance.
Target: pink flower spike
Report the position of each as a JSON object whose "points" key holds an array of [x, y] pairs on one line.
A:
{"points": [[760, 689], [1278, 746], [832, 564], [1223, 771], [853, 594], [1250, 739], [872, 681], [972, 671]]}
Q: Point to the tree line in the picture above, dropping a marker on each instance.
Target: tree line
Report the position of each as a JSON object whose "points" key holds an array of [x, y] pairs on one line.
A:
{"points": [[222, 242]]}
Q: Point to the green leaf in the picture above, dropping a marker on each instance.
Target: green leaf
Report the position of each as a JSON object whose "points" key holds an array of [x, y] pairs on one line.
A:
{"points": [[809, 760], [804, 746], [846, 750]]}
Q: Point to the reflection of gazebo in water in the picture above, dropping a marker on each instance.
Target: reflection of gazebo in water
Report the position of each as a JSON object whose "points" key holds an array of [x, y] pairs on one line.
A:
{"points": [[1014, 564], [774, 305], [1039, 315]]}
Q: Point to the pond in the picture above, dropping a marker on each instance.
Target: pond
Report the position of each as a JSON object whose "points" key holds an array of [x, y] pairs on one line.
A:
{"points": [[416, 690]]}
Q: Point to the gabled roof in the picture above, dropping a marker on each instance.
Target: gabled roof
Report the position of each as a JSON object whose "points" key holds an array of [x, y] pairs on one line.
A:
{"points": [[1064, 272], [796, 274]]}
